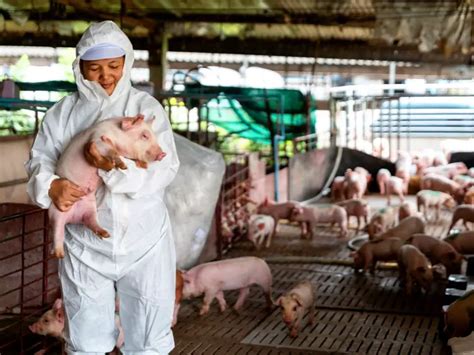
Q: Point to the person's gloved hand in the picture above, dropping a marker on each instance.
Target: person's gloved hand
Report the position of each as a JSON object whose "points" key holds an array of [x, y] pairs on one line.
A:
{"points": [[64, 193]]}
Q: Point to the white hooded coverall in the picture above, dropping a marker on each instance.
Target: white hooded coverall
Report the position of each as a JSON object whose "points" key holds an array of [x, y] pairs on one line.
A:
{"points": [[139, 256]]}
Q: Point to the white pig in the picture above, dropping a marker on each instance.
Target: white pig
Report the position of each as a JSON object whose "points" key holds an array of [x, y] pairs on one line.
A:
{"points": [[215, 277], [101, 145], [295, 303]]}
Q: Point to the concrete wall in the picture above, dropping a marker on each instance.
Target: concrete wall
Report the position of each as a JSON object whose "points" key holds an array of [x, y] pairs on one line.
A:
{"points": [[14, 152]]}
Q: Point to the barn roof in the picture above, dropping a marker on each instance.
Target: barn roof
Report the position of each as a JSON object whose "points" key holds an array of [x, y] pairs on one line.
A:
{"points": [[422, 31]]}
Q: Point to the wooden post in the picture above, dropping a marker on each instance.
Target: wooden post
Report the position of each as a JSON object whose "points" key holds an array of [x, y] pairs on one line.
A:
{"points": [[157, 49]]}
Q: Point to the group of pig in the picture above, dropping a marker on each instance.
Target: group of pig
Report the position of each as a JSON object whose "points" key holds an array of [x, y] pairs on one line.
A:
{"points": [[211, 280]]}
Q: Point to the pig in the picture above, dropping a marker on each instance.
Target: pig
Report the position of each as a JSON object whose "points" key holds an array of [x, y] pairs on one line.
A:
{"points": [[101, 146], [464, 213], [395, 186], [178, 296], [369, 253], [52, 323], [260, 230], [383, 176], [459, 317], [463, 242], [311, 216], [470, 172], [356, 182], [338, 188], [407, 209], [438, 251], [464, 180], [414, 268], [213, 278], [443, 184], [277, 210], [404, 230], [436, 199], [295, 303], [356, 207], [382, 220], [447, 170], [403, 167]]}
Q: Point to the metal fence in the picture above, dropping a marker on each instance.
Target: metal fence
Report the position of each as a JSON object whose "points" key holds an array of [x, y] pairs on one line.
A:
{"points": [[28, 277]]}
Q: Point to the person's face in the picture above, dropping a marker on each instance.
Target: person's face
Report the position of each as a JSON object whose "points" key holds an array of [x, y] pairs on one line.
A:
{"points": [[107, 72]]}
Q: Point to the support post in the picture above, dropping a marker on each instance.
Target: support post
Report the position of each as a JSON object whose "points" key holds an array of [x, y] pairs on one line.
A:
{"points": [[157, 49]]}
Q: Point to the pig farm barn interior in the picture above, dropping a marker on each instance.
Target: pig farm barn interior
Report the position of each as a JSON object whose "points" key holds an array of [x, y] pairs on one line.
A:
{"points": [[334, 140]]}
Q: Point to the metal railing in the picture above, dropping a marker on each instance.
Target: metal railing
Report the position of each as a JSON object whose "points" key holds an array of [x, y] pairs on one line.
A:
{"points": [[28, 277]]}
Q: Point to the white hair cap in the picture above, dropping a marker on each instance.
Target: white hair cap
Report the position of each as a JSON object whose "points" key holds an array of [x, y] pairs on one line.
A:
{"points": [[103, 51]]}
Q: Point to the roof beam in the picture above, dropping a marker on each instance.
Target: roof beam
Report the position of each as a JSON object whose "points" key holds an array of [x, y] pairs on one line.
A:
{"points": [[286, 47]]}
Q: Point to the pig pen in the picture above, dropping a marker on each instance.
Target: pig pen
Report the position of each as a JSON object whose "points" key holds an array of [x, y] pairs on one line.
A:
{"points": [[355, 313], [28, 278]]}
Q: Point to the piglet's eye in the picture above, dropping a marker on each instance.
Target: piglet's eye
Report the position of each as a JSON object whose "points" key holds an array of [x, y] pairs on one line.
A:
{"points": [[145, 135]]}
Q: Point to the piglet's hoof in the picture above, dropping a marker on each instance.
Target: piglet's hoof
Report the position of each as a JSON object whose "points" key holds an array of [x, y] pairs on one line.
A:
{"points": [[293, 333], [203, 312], [102, 233], [58, 252]]}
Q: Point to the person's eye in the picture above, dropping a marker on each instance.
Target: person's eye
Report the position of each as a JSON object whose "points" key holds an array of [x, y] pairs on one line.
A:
{"points": [[114, 67]]}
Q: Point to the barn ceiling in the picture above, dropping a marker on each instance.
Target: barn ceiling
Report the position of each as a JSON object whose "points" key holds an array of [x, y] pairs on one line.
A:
{"points": [[437, 31]]}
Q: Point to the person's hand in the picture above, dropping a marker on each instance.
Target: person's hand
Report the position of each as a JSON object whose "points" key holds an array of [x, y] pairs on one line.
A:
{"points": [[64, 194]]}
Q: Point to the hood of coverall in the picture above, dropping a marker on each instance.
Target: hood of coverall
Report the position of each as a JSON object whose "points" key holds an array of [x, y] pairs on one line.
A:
{"points": [[103, 32]]}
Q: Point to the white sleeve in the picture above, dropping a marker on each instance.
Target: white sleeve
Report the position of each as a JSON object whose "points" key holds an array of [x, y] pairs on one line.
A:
{"points": [[138, 182], [43, 158]]}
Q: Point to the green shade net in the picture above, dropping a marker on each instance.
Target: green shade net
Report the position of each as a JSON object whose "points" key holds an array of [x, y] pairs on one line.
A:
{"points": [[248, 112]]}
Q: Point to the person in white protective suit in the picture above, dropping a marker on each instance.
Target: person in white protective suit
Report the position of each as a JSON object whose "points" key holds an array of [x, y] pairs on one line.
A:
{"points": [[138, 260]]}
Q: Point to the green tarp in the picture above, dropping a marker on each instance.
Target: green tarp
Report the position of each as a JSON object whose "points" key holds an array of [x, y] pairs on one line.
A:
{"points": [[248, 112]]}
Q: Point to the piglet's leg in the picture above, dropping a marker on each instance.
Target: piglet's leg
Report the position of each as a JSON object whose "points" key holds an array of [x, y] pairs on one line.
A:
{"points": [[221, 300], [242, 296], [311, 315], [208, 298], [90, 216], [58, 220]]}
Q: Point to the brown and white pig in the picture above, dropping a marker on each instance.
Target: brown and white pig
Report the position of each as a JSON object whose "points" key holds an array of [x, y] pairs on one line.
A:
{"points": [[404, 230], [414, 268], [295, 303], [213, 278], [369, 253], [102, 145], [382, 220], [261, 230], [436, 199], [463, 242], [277, 210], [459, 317], [52, 323], [395, 186], [383, 175], [443, 184], [438, 251], [358, 208], [338, 188], [464, 213], [311, 216]]}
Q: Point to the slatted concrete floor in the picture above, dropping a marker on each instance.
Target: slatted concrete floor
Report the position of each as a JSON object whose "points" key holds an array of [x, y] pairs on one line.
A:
{"points": [[355, 314]]}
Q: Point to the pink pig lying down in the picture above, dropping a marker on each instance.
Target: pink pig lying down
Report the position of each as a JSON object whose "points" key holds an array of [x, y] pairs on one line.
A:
{"points": [[295, 303], [215, 277], [101, 145]]}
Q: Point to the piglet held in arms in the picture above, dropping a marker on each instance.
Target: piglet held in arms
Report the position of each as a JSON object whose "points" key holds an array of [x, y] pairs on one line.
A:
{"points": [[100, 146]]}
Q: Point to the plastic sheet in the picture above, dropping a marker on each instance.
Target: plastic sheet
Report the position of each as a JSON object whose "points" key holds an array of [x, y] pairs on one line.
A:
{"points": [[191, 198]]}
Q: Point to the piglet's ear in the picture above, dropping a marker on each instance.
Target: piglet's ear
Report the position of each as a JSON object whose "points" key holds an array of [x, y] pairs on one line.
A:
{"points": [[58, 304], [128, 122], [278, 301]]}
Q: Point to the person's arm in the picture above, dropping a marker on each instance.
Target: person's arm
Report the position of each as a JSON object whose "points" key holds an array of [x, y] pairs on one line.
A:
{"points": [[138, 182], [44, 186]]}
